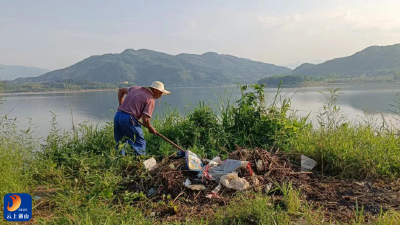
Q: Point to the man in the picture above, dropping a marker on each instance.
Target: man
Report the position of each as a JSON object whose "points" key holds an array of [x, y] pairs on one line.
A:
{"points": [[138, 103]]}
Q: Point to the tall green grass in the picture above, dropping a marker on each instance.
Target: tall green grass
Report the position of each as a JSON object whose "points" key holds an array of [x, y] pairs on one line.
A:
{"points": [[341, 147], [82, 177], [16, 147], [350, 150]]}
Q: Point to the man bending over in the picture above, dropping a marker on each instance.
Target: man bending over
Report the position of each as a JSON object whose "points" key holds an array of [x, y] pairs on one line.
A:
{"points": [[138, 103]]}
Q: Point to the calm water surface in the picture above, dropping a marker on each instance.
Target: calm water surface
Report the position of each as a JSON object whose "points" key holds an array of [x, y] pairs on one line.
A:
{"points": [[99, 107]]}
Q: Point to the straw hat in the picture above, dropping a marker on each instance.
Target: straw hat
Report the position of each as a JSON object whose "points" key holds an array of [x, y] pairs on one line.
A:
{"points": [[160, 86]]}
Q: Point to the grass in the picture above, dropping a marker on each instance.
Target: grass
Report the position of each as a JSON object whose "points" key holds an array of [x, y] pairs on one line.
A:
{"points": [[350, 150], [15, 157], [81, 176], [391, 218]]}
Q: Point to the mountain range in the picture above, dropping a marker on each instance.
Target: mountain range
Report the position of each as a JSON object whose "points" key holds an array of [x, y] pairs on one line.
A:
{"points": [[372, 61], [14, 72], [144, 66]]}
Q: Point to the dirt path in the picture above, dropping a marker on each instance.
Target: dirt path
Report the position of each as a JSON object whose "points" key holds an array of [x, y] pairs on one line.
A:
{"points": [[341, 197]]}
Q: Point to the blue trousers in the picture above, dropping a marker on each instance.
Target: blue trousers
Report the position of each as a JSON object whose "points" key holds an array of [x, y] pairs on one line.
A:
{"points": [[126, 131]]}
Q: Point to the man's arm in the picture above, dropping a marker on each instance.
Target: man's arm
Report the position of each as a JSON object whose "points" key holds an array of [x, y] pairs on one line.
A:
{"points": [[121, 93], [147, 124]]}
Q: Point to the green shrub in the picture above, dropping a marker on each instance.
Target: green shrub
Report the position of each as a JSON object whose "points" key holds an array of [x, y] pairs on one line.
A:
{"points": [[249, 122]]}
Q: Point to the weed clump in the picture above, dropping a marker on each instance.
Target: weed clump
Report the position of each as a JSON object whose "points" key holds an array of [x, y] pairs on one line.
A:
{"points": [[248, 122]]}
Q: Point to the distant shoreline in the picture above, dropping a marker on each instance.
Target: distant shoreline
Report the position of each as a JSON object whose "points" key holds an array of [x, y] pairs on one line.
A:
{"points": [[321, 84], [60, 91], [98, 90]]}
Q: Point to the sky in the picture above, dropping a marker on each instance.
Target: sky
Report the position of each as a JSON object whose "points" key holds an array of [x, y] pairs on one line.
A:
{"points": [[55, 34]]}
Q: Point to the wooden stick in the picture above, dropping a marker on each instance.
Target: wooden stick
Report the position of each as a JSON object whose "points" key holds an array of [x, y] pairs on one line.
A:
{"points": [[34, 207], [225, 150], [294, 173], [178, 196], [281, 153], [172, 143], [196, 195], [166, 139]]}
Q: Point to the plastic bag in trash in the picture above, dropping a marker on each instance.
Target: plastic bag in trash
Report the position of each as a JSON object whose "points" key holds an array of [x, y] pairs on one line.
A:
{"points": [[230, 165], [193, 162], [214, 193], [307, 163], [187, 182], [216, 169], [234, 182]]}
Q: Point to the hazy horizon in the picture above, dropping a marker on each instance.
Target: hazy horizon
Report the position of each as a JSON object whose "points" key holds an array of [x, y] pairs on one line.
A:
{"points": [[54, 35]]}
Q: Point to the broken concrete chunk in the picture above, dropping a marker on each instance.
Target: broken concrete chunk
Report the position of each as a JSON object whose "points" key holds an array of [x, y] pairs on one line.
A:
{"points": [[150, 164]]}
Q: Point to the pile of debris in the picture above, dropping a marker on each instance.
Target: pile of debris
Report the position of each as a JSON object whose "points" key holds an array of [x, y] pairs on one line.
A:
{"points": [[196, 182], [204, 185], [243, 170]]}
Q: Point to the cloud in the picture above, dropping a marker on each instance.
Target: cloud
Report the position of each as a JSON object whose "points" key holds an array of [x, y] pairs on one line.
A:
{"points": [[326, 32], [274, 21], [382, 17], [368, 20]]}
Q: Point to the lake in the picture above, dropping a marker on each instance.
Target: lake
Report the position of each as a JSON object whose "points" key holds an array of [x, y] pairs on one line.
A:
{"points": [[36, 110]]}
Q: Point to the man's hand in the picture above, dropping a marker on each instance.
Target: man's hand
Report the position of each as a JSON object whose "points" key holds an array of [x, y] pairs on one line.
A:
{"points": [[152, 130], [146, 123], [121, 93]]}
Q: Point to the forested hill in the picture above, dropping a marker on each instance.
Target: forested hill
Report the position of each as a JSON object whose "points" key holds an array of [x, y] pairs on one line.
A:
{"points": [[372, 61], [144, 66]]}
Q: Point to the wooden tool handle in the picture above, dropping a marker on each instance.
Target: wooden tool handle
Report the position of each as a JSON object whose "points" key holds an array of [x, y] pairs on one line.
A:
{"points": [[172, 143], [166, 139]]}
